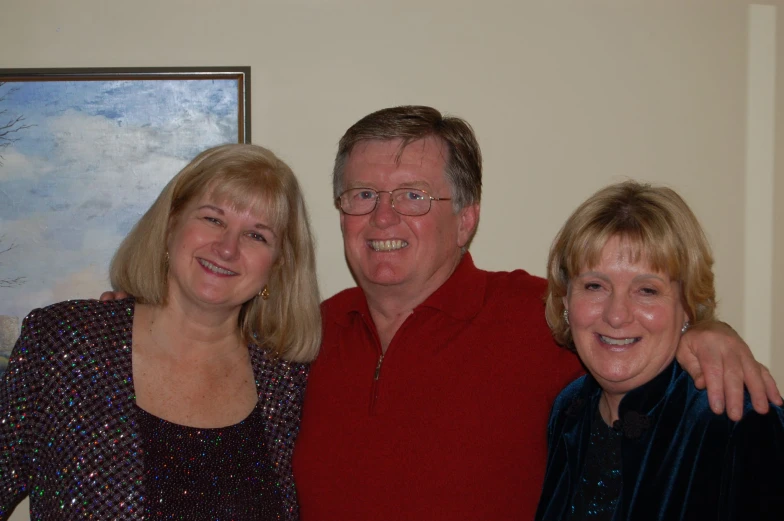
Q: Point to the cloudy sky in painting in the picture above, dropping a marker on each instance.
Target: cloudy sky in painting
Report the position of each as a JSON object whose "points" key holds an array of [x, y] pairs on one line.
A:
{"points": [[97, 155]]}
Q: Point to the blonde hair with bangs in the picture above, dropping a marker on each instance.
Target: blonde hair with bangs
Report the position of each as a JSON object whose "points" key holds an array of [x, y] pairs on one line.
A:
{"points": [[657, 226], [288, 323]]}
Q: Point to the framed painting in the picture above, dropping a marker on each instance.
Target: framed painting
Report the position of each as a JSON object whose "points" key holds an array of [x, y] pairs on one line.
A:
{"points": [[83, 154]]}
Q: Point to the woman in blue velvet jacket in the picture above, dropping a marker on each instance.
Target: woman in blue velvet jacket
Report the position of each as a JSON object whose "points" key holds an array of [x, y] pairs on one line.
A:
{"points": [[628, 273]]}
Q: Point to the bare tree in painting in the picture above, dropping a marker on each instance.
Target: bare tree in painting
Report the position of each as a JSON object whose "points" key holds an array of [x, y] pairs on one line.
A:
{"points": [[10, 124], [8, 282]]}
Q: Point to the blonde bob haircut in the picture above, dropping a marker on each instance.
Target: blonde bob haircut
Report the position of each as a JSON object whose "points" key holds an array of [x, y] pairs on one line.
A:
{"points": [[242, 177], [658, 228]]}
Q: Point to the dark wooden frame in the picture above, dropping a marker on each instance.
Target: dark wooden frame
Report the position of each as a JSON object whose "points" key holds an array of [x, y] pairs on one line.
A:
{"points": [[241, 74]]}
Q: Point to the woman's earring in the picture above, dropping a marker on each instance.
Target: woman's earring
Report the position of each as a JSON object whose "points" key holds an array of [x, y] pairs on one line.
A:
{"points": [[685, 327], [264, 293], [566, 316]]}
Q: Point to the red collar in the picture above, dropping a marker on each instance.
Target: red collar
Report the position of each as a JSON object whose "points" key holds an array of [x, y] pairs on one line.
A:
{"points": [[461, 296]]}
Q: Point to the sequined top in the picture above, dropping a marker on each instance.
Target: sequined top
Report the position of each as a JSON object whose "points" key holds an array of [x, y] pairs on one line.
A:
{"points": [[196, 473], [600, 485], [69, 427]]}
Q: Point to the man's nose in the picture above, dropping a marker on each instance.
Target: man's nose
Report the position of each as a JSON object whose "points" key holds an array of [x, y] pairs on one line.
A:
{"points": [[384, 214]]}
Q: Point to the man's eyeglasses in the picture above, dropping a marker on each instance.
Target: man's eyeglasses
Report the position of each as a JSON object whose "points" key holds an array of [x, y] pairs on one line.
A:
{"points": [[405, 201]]}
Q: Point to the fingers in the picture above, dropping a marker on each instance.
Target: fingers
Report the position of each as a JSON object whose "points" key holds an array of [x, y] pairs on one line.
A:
{"points": [[113, 295], [771, 389], [734, 373], [690, 363], [755, 383], [706, 371], [717, 358], [713, 374]]}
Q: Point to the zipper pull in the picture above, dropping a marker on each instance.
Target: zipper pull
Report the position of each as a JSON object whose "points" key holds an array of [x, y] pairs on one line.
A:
{"points": [[378, 367]]}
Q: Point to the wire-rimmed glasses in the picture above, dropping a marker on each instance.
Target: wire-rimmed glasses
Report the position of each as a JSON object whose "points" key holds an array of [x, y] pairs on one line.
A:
{"points": [[405, 201]]}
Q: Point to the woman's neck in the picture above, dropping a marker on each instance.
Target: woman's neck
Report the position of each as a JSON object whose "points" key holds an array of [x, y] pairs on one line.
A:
{"points": [[191, 332], [608, 406]]}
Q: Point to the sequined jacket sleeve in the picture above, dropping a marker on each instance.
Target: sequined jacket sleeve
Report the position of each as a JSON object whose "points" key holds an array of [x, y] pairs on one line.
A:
{"points": [[281, 386], [19, 394], [67, 430]]}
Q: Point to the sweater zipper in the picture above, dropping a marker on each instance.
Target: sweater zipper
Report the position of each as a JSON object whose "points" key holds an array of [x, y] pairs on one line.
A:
{"points": [[378, 367], [377, 373], [374, 391]]}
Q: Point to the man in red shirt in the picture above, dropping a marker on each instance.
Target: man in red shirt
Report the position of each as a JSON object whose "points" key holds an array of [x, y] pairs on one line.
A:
{"points": [[430, 397]]}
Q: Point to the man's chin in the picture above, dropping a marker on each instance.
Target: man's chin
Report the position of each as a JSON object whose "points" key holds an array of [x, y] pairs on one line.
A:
{"points": [[383, 278]]}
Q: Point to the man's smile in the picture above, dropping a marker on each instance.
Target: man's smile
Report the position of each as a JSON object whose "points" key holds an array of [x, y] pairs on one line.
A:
{"points": [[388, 245]]}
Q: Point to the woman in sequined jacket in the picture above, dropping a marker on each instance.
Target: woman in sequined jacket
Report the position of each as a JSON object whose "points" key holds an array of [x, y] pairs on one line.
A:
{"points": [[634, 439], [183, 401]]}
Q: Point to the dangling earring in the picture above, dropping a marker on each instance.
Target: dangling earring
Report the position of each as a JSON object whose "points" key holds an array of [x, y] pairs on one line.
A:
{"points": [[264, 293], [566, 316], [166, 261], [685, 327]]}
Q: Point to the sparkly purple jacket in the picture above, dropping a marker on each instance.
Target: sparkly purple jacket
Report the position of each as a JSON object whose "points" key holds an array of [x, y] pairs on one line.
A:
{"points": [[68, 429]]}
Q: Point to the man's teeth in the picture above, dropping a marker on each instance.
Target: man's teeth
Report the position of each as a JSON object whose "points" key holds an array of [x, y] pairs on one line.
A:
{"points": [[388, 245], [215, 269], [618, 341]]}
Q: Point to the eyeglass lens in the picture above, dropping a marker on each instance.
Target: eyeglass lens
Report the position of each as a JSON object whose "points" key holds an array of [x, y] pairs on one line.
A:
{"points": [[406, 201]]}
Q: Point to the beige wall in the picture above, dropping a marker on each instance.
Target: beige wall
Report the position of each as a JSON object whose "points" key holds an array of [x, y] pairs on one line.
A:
{"points": [[777, 333], [565, 97]]}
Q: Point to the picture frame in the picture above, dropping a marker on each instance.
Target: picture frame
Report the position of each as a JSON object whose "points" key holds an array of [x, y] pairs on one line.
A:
{"points": [[83, 154]]}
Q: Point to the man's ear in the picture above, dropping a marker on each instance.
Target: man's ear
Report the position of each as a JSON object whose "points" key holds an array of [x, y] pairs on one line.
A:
{"points": [[468, 219]]}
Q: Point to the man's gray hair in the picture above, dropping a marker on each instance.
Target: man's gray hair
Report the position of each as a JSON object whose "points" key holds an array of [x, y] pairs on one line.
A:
{"points": [[411, 123]]}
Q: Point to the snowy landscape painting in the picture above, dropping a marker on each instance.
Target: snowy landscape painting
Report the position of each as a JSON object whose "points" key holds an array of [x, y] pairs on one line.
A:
{"points": [[83, 154]]}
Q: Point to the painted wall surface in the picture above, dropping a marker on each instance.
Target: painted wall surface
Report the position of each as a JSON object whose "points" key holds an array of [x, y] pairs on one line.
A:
{"points": [[777, 333], [565, 97]]}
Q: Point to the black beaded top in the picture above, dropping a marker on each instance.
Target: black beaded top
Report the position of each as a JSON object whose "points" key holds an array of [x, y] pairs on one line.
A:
{"points": [[70, 433], [215, 474], [599, 488]]}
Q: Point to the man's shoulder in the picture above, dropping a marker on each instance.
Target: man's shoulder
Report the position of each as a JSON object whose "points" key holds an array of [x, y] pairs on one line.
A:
{"points": [[342, 302], [518, 284], [518, 277]]}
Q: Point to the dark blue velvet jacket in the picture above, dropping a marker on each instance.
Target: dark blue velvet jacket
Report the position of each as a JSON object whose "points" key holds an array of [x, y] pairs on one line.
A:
{"points": [[680, 461]]}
